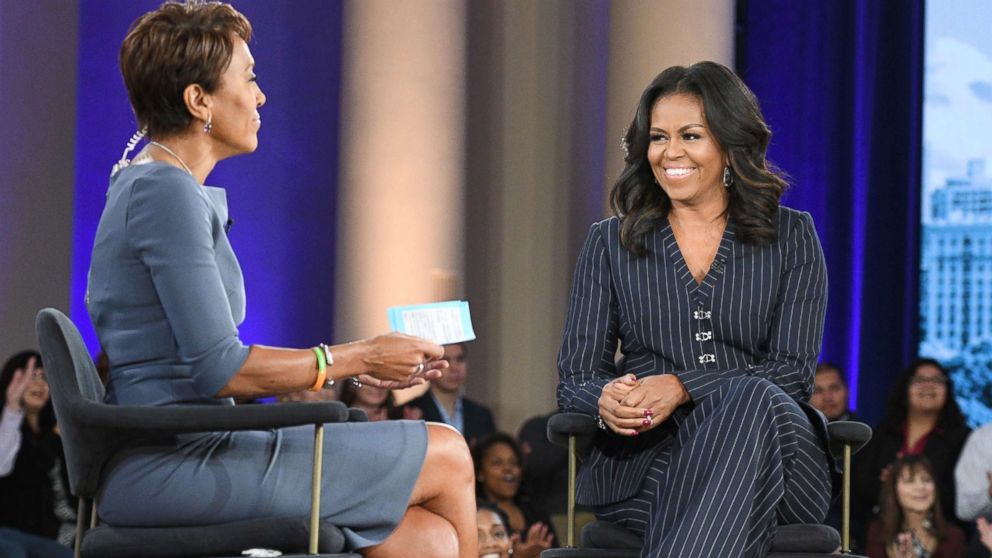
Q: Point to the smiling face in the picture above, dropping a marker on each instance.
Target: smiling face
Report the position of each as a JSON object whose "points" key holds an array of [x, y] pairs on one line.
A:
{"points": [[36, 395], [500, 472], [234, 105], [915, 490], [494, 542], [927, 390], [685, 157]]}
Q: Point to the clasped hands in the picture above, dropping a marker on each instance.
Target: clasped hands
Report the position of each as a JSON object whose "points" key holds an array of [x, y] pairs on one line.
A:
{"points": [[629, 406], [396, 360]]}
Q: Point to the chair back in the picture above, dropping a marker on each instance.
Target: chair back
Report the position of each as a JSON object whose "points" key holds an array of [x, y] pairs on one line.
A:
{"points": [[74, 385]]}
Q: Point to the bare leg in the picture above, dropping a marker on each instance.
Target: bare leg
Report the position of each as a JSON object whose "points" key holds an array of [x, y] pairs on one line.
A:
{"points": [[420, 533], [442, 506]]}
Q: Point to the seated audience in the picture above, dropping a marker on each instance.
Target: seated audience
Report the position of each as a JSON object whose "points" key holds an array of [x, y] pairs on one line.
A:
{"points": [[445, 402], [922, 418], [308, 395], [973, 481], [494, 540], [30, 463], [973, 476], [498, 466], [830, 395], [911, 523], [378, 403]]}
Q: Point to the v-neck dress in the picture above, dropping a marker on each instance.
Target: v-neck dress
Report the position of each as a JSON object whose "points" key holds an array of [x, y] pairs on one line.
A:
{"points": [[748, 452], [166, 295]]}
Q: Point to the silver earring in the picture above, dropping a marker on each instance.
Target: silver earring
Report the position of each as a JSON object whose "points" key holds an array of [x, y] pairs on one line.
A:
{"points": [[728, 177], [209, 125]]}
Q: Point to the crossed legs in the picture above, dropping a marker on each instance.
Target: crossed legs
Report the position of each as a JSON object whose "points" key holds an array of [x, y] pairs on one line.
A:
{"points": [[441, 520]]}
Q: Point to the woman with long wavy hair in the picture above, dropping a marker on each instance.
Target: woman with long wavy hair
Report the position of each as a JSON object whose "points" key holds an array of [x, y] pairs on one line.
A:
{"points": [[715, 295], [910, 522]]}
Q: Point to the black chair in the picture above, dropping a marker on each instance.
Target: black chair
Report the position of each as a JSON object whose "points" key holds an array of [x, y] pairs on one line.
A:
{"points": [[602, 539], [92, 432]]}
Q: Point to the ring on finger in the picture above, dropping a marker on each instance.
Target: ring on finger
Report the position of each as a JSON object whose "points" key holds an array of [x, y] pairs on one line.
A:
{"points": [[420, 368]]}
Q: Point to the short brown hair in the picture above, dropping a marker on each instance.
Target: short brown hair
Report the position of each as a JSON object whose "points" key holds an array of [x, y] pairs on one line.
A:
{"points": [[171, 48]]}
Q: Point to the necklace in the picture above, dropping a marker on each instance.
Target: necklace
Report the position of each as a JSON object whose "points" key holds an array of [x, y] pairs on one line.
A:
{"points": [[173, 153]]}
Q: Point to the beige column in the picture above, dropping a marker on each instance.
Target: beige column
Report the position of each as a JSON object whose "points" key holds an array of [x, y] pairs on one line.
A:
{"points": [[400, 208], [647, 36]]}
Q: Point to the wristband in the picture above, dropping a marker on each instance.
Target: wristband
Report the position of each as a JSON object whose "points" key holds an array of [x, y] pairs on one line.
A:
{"points": [[321, 369]]}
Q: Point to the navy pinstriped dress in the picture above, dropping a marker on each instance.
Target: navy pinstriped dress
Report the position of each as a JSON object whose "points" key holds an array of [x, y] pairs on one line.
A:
{"points": [[747, 453], [166, 294]]}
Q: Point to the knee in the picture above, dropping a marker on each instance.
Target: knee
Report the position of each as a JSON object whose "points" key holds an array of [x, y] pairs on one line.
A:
{"points": [[447, 450], [751, 395]]}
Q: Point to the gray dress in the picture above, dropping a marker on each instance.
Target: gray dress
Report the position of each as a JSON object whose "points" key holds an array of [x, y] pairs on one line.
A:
{"points": [[165, 294]]}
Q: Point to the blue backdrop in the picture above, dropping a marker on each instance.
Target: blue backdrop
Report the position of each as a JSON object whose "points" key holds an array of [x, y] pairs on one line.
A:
{"points": [[840, 83], [281, 198]]}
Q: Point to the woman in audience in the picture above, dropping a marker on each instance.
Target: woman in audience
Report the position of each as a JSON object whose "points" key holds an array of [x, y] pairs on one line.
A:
{"points": [[922, 419], [498, 469], [30, 458], [166, 295], [494, 539], [911, 522], [378, 403]]}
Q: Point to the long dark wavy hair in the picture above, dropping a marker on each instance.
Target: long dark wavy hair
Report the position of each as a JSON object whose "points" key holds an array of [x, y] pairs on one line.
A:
{"points": [[890, 513], [898, 406], [734, 118], [46, 420]]}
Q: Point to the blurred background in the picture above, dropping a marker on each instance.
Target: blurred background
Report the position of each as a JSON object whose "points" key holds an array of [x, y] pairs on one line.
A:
{"points": [[440, 149]]}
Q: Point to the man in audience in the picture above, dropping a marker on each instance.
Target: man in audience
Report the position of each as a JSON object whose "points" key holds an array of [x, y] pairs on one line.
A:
{"points": [[830, 393], [973, 484], [444, 402]]}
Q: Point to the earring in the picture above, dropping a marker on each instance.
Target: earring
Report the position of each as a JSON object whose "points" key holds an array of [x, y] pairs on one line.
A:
{"points": [[728, 177], [209, 125]]}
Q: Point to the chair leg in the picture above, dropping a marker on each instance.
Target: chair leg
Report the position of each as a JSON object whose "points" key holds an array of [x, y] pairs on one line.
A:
{"points": [[80, 522], [94, 518], [572, 452], [318, 458], [845, 526]]}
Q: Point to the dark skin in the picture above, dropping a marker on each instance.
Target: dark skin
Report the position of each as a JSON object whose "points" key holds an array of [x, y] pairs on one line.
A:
{"points": [[630, 406]]}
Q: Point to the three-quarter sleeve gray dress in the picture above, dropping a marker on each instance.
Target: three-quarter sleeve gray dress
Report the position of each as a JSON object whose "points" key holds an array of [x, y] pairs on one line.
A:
{"points": [[165, 294]]}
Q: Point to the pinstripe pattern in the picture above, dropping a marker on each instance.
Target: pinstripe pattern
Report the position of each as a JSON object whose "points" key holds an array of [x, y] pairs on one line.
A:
{"points": [[713, 480]]}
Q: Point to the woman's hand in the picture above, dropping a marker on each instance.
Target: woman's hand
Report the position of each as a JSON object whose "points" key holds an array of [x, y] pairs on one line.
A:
{"points": [[18, 385], [660, 395], [985, 532], [539, 538], [619, 418], [396, 360], [902, 547]]}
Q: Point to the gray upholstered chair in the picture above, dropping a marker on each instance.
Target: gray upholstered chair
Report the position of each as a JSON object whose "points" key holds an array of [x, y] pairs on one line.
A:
{"points": [[602, 539], [93, 431]]}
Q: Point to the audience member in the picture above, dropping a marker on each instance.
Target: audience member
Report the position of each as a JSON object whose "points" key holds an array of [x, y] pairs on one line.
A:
{"points": [[910, 523], [498, 466], [830, 395], [973, 476], [445, 402], [378, 403], [973, 481], [545, 475], [494, 540], [30, 462], [922, 418]]}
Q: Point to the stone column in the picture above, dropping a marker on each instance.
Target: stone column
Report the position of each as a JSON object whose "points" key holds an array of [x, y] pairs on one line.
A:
{"points": [[400, 214]]}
